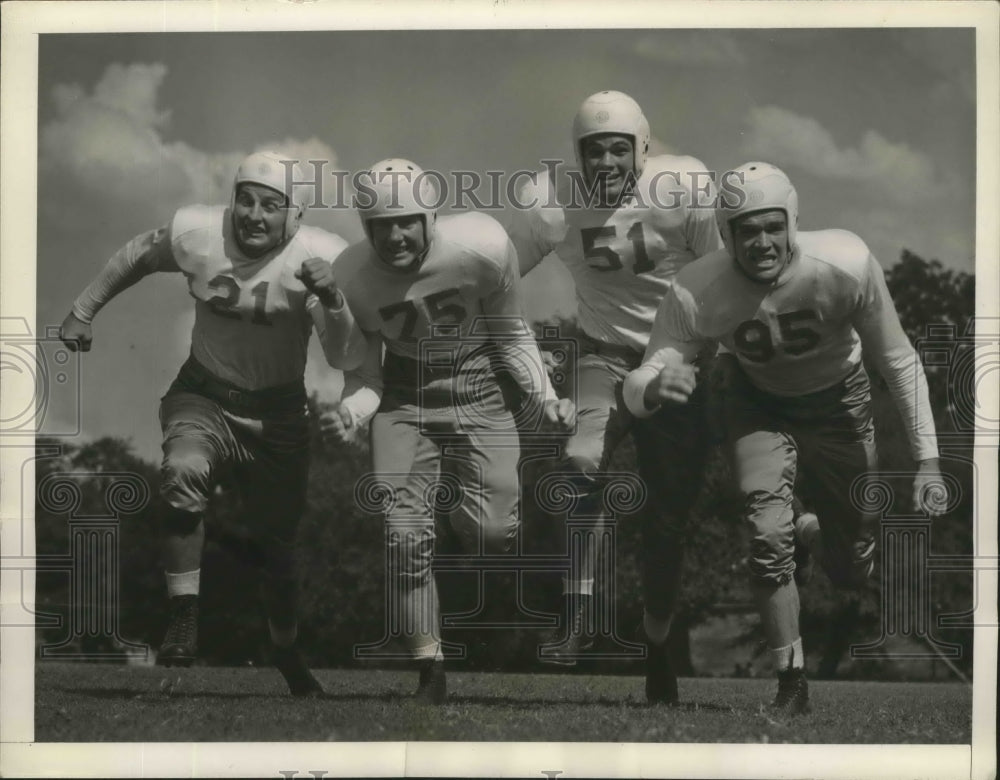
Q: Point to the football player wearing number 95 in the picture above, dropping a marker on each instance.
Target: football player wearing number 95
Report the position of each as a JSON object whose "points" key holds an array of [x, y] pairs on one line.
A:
{"points": [[796, 310], [412, 274], [643, 220], [261, 282]]}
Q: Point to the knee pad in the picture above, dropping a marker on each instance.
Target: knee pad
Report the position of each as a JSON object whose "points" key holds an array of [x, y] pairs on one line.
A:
{"points": [[498, 539], [583, 452], [767, 575], [770, 564], [410, 559], [578, 460], [772, 546], [178, 522], [186, 477]]}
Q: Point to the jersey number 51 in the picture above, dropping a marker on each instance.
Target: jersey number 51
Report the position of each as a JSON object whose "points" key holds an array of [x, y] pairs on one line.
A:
{"points": [[611, 259]]}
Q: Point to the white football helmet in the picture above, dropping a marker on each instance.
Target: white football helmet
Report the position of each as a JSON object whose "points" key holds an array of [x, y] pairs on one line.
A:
{"points": [[752, 187], [397, 188], [269, 169], [612, 112]]}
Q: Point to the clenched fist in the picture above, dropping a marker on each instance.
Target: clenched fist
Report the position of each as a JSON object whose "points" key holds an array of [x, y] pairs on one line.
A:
{"points": [[674, 384], [317, 276], [336, 425], [75, 334], [560, 414]]}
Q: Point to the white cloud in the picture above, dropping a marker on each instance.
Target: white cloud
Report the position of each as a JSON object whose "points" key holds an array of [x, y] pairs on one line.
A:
{"points": [[657, 147], [889, 193], [109, 141], [695, 47], [786, 138]]}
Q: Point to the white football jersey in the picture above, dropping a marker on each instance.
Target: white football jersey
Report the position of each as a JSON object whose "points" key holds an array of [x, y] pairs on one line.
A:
{"points": [[466, 287], [622, 259], [252, 316], [799, 335], [469, 271]]}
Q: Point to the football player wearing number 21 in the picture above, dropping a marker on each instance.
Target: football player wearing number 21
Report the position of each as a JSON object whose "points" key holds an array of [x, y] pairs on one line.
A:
{"points": [[796, 310], [415, 277], [261, 282]]}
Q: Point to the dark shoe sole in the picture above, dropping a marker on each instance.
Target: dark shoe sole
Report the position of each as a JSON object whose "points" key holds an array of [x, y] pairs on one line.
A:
{"points": [[555, 661], [550, 653], [182, 661]]}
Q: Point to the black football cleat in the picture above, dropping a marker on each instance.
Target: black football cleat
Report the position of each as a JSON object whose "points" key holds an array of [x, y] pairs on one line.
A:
{"points": [[563, 649], [661, 681], [180, 643], [433, 687], [793, 693], [301, 682]]}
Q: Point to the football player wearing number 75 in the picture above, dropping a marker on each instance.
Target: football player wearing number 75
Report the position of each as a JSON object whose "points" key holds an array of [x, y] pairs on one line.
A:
{"points": [[261, 282], [440, 412], [796, 310]]}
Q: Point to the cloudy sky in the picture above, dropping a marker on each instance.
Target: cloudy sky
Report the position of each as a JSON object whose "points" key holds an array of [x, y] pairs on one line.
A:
{"points": [[876, 127]]}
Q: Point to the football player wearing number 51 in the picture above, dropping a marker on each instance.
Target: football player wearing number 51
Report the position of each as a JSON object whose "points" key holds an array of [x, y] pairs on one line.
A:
{"points": [[796, 310], [261, 282], [440, 411], [623, 236]]}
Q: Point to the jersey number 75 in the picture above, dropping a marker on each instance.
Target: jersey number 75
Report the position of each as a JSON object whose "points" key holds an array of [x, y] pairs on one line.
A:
{"points": [[431, 304]]}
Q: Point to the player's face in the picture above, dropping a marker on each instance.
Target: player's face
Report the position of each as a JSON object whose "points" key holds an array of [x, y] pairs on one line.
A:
{"points": [[399, 241], [259, 218], [760, 242], [609, 159]]}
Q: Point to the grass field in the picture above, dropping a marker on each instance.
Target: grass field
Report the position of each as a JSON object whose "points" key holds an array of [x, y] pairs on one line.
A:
{"points": [[101, 703]]}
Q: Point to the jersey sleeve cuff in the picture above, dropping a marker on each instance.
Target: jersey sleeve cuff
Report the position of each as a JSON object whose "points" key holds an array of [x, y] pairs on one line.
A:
{"points": [[338, 306], [634, 391], [81, 315], [925, 452]]}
